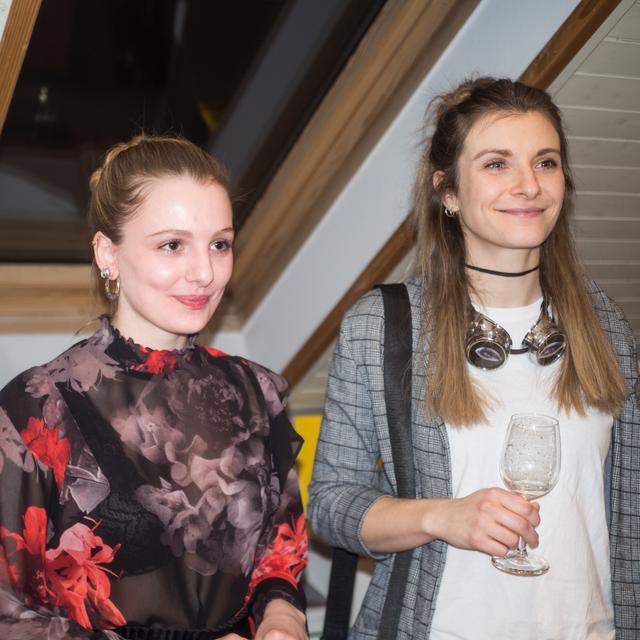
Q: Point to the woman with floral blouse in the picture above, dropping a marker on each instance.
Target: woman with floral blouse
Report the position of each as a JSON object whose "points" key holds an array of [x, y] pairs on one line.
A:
{"points": [[147, 487]]}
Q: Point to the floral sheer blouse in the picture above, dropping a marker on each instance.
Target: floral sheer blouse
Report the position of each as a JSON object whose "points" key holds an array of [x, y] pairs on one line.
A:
{"points": [[146, 494]]}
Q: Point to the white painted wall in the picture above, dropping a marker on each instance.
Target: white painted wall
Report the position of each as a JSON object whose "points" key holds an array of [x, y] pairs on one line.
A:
{"points": [[5, 5], [19, 352]]}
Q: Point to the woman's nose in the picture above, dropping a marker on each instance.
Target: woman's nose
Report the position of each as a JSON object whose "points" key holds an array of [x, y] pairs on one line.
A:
{"points": [[201, 269], [527, 183]]}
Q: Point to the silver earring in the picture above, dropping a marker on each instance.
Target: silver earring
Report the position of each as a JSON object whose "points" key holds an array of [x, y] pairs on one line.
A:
{"points": [[112, 294], [449, 213]]}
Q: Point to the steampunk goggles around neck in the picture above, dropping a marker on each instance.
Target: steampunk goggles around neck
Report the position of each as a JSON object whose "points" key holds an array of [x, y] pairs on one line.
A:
{"points": [[488, 344]]}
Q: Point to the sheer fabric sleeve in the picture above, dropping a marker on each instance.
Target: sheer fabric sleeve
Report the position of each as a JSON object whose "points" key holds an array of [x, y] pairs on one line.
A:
{"points": [[51, 583], [280, 561]]}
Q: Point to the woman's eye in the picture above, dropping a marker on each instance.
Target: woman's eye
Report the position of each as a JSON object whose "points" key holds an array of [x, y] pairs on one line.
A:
{"points": [[221, 245], [172, 245], [548, 163], [495, 164]]}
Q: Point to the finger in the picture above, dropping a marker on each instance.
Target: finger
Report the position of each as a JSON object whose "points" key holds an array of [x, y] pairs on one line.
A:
{"points": [[519, 526], [495, 542], [508, 510], [520, 506], [505, 525]]}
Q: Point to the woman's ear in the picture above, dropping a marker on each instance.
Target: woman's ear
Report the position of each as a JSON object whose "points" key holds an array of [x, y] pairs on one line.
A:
{"points": [[449, 199], [105, 251]]}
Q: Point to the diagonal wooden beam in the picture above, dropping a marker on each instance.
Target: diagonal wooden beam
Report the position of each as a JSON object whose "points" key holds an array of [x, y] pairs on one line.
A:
{"points": [[13, 47], [567, 41]]}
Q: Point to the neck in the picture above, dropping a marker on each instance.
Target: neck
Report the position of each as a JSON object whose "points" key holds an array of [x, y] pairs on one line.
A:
{"points": [[494, 290], [149, 337]]}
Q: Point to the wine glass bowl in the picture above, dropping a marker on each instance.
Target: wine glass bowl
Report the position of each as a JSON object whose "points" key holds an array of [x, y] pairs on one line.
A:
{"points": [[529, 466]]}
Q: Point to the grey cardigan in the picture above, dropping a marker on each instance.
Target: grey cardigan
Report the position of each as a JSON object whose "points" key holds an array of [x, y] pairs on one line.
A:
{"points": [[347, 481]]}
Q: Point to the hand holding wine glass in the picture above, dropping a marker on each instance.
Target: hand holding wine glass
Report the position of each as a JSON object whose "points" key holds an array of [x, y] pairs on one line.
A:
{"points": [[529, 466]]}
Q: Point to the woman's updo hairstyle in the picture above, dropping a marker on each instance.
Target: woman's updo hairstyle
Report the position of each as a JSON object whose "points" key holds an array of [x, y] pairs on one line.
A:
{"points": [[119, 185]]}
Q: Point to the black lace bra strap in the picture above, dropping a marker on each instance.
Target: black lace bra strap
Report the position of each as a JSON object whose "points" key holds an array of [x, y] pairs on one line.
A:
{"points": [[103, 441]]}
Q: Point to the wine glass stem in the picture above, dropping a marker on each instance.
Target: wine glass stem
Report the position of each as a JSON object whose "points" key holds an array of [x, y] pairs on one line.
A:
{"points": [[521, 548]]}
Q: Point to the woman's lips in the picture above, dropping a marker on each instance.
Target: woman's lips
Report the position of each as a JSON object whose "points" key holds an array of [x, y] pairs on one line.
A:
{"points": [[529, 212], [193, 302]]}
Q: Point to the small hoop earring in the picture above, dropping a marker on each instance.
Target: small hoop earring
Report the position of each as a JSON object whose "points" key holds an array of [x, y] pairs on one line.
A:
{"points": [[449, 213], [112, 294]]}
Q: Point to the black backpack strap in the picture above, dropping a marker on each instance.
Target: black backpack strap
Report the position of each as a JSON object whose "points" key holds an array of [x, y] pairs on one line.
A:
{"points": [[397, 390], [397, 386], [340, 594]]}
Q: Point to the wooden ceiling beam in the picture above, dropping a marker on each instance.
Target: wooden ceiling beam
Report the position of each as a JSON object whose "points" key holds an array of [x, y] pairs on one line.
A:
{"points": [[13, 47], [53, 298], [46, 298], [567, 41]]}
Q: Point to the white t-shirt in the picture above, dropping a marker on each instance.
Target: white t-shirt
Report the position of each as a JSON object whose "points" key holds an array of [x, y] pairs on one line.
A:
{"points": [[573, 600]]}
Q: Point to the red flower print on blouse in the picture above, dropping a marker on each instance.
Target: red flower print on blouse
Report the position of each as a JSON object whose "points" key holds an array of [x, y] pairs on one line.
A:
{"points": [[70, 576], [46, 445], [156, 361], [212, 351], [285, 557]]}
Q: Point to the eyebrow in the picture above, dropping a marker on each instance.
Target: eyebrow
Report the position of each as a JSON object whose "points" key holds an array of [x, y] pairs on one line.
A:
{"points": [[183, 232], [507, 152]]}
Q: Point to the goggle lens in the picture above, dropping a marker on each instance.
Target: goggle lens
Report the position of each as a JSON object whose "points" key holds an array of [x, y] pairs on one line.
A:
{"points": [[551, 349], [486, 355]]}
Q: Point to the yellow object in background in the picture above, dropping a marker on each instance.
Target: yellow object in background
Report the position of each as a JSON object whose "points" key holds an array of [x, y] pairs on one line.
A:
{"points": [[308, 426]]}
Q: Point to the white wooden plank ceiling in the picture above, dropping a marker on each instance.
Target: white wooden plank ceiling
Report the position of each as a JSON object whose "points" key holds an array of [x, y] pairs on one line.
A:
{"points": [[599, 94]]}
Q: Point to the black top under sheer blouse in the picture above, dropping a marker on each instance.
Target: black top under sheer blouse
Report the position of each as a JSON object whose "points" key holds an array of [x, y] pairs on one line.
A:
{"points": [[146, 494]]}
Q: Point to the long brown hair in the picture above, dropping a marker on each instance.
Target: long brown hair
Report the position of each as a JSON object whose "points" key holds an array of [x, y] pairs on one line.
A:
{"points": [[590, 374]]}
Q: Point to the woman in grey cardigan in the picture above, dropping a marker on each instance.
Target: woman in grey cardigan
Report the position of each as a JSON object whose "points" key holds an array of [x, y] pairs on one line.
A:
{"points": [[492, 202]]}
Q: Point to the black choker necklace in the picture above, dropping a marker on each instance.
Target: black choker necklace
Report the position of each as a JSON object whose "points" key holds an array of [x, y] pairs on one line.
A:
{"points": [[506, 274]]}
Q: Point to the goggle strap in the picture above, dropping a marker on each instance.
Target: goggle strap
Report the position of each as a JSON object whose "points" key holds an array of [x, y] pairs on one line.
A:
{"points": [[517, 352]]}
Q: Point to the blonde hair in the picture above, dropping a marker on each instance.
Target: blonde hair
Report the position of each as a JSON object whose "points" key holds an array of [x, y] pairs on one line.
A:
{"points": [[590, 374], [119, 185]]}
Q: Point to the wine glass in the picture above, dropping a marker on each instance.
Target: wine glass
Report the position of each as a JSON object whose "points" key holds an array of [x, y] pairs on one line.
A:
{"points": [[529, 466]]}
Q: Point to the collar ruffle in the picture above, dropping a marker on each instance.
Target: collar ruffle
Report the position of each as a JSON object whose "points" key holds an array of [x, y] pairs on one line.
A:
{"points": [[135, 357]]}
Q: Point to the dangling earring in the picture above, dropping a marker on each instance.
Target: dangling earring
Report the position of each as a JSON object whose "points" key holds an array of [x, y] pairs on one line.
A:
{"points": [[112, 294], [449, 213]]}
